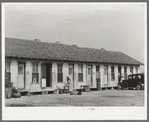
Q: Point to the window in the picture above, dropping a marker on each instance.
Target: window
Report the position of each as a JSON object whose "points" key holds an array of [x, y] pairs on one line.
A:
{"points": [[134, 77], [34, 73], [112, 73], [7, 72], [97, 72], [80, 74], [130, 77], [60, 73], [89, 70], [97, 68], [70, 70], [125, 72], [131, 70], [136, 69], [7, 67], [105, 70], [20, 70], [139, 77]]}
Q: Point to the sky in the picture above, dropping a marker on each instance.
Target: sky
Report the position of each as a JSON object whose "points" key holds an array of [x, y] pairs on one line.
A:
{"points": [[114, 27]]}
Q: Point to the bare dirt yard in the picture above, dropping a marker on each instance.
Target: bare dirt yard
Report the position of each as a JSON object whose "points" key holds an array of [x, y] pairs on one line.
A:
{"points": [[94, 98]]}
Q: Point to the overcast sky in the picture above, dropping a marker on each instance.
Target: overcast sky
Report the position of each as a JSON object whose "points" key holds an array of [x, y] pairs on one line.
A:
{"points": [[115, 27]]}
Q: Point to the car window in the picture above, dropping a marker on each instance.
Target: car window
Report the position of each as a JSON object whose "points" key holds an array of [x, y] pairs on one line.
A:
{"points": [[139, 76], [129, 77], [134, 77]]}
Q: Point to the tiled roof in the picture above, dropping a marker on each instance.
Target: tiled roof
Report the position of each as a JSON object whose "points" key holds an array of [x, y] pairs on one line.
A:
{"points": [[42, 50]]}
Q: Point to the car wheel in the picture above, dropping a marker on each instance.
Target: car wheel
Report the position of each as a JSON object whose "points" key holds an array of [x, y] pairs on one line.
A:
{"points": [[119, 87], [138, 87]]}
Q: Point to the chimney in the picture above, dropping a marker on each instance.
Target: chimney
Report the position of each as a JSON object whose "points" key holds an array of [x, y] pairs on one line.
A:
{"points": [[103, 49], [75, 45], [37, 40], [57, 42]]}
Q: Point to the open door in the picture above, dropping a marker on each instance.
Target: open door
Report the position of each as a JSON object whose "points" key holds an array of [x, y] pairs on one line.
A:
{"points": [[46, 75], [49, 75], [119, 73], [21, 81]]}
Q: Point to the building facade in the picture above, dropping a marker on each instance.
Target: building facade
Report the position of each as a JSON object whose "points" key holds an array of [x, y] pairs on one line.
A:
{"points": [[30, 66]]}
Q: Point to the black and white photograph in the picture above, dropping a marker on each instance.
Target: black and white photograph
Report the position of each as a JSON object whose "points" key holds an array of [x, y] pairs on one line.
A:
{"points": [[74, 61]]}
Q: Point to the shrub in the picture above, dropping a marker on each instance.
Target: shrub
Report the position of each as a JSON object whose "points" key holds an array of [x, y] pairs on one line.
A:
{"points": [[15, 90], [8, 84]]}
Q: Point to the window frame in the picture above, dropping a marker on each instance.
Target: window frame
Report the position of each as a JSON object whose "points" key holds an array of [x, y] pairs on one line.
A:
{"points": [[130, 77], [137, 69], [70, 71], [80, 73], [113, 73], [5, 67], [7, 73], [97, 67], [130, 69], [90, 73], [35, 72], [125, 72], [60, 74], [98, 72]]}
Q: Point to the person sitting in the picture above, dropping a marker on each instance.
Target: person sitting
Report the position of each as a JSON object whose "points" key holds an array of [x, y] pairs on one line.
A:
{"points": [[66, 87]]}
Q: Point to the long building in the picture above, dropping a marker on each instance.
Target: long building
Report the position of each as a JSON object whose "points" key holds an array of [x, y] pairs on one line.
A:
{"points": [[35, 66]]}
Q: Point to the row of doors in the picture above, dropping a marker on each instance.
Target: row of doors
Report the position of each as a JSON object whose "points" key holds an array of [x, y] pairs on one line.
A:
{"points": [[47, 75]]}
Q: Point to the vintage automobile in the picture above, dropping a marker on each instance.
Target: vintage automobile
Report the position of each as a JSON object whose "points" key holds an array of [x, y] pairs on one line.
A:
{"points": [[134, 81]]}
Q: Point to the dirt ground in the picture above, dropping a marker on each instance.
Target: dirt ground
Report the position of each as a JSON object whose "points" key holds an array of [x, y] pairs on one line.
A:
{"points": [[94, 98]]}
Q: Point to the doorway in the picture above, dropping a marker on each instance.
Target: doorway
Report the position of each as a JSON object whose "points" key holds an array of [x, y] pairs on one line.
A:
{"points": [[119, 73], [46, 75], [98, 78], [21, 74]]}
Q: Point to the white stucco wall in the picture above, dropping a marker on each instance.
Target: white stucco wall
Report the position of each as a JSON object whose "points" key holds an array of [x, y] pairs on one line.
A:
{"points": [[116, 74], [94, 75], [28, 77], [37, 87], [139, 69], [122, 70], [65, 73], [102, 75], [128, 70], [14, 72], [54, 75], [76, 76], [134, 69], [39, 71], [109, 75]]}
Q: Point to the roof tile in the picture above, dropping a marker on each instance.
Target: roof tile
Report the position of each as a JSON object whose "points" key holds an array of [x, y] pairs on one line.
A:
{"points": [[35, 49]]}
